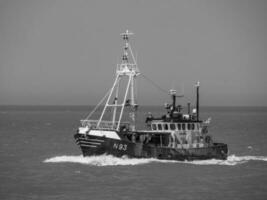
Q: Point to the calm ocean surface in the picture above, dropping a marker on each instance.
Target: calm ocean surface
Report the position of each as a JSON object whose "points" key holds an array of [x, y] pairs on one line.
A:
{"points": [[40, 160]]}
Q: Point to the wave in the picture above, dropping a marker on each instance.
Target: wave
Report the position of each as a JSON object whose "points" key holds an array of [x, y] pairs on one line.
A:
{"points": [[109, 160], [231, 160], [102, 160]]}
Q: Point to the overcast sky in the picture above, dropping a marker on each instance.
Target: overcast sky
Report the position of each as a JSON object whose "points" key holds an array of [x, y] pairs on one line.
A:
{"points": [[64, 52]]}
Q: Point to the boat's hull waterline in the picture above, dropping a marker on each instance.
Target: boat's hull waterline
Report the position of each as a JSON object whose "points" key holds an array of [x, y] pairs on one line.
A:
{"points": [[97, 145]]}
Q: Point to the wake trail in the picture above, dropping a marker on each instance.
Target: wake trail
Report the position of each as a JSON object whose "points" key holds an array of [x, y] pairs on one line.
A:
{"points": [[109, 160], [102, 160]]}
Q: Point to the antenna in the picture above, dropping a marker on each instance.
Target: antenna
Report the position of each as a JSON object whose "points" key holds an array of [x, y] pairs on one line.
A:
{"points": [[197, 99]]}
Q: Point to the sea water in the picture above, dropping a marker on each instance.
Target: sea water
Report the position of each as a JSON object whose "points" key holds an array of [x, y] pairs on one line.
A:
{"points": [[40, 160]]}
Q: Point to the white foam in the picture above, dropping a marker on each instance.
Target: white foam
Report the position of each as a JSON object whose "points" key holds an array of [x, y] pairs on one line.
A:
{"points": [[108, 160], [102, 160]]}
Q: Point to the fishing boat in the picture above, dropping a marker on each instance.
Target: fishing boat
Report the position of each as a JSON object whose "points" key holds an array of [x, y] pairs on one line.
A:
{"points": [[173, 136]]}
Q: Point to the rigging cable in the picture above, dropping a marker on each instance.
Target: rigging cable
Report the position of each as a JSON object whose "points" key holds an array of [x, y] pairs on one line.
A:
{"points": [[160, 88], [92, 112], [155, 85]]}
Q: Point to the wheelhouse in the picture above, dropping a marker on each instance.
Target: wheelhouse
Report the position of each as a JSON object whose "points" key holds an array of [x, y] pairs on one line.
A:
{"points": [[175, 126]]}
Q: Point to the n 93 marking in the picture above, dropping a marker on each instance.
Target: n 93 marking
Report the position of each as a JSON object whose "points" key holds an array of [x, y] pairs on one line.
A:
{"points": [[121, 147]]}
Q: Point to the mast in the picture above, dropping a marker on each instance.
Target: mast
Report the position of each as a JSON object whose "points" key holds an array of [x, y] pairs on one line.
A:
{"points": [[197, 99], [128, 70], [173, 95]]}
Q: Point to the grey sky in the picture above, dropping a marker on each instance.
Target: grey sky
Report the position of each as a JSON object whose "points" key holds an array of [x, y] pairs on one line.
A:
{"points": [[65, 52]]}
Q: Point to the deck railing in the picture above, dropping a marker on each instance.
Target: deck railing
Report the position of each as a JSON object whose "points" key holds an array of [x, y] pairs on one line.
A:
{"points": [[103, 124]]}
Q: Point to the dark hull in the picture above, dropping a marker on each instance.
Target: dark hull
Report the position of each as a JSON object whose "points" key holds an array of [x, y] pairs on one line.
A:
{"points": [[94, 145]]}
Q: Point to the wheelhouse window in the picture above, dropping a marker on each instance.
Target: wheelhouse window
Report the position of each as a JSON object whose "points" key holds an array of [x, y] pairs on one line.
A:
{"points": [[159, 127], [179, 126], [183, 127], [172, 126], [188, 126], [193, 126], [154, 127], [166, 127]]}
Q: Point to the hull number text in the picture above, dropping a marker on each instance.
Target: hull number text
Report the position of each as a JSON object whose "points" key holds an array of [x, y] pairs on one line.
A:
{"points": [[121, 147]]}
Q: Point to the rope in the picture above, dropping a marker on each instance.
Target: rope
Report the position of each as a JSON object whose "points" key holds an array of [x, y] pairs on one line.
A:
{"points": [[146, 78], [155, 85], [160, 88], [91, 113]]}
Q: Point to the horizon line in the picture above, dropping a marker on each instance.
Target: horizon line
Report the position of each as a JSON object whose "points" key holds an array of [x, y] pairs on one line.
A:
{"points": [[83, 105]]}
